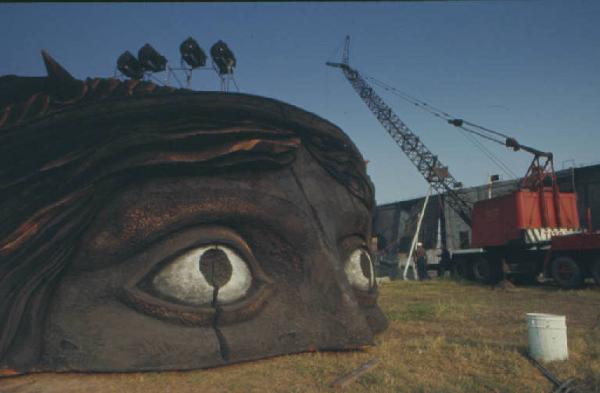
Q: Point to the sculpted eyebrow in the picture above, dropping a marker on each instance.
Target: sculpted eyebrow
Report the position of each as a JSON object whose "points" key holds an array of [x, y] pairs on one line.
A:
{"points": [[141, 227]]}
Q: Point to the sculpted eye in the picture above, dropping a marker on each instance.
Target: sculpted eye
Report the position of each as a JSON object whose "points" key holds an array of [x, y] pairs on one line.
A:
{"points": [[359, 270], [217, 278], [205, 275]]}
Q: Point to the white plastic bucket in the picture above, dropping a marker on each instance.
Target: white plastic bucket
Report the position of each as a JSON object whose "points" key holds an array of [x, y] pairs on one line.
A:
{"points": [[547, 337]]}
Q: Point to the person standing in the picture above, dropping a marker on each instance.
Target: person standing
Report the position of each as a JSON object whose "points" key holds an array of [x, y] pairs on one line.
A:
{"points": [[421, 261]]}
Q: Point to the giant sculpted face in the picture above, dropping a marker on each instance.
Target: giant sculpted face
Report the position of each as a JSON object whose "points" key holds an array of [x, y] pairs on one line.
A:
{"points": [[145, 228]]}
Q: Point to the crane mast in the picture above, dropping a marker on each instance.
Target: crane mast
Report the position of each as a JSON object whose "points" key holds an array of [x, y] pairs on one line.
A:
{"points": [[426, 162]]}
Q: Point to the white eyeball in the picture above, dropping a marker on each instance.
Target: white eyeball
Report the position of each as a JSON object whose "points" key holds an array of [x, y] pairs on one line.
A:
{"points": [[199, 275], [359, 270]]}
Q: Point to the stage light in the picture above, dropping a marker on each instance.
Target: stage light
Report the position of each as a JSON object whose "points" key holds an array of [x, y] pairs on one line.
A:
{"points": [[130, 66], [223, 57], [151, 60], [192, 54]]}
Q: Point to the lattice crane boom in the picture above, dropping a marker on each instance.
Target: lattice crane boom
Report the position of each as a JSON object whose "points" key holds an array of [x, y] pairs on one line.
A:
{"points": [[426, 162]]}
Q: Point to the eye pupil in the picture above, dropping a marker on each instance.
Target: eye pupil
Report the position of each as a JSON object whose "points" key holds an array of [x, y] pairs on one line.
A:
{"points": [[216, 267], [365, 265]]}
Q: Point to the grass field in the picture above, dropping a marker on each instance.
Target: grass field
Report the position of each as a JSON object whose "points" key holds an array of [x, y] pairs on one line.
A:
{"points": [[443, 336]]}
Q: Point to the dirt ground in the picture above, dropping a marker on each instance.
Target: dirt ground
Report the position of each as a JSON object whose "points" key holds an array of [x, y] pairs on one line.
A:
{"points": [[444, 336]]}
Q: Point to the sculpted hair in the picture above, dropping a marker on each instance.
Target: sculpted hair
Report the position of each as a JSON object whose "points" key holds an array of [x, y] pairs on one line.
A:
{"points": [[61, 159]]}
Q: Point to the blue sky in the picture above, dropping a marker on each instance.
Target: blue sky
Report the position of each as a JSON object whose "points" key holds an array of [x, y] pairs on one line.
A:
{"points": [[528, 68]]}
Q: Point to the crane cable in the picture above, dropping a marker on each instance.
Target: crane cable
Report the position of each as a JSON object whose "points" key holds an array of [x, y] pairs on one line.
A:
{"points": [[334, 54], [440, 114], [459, 123], [499, 163], [434, 110]]}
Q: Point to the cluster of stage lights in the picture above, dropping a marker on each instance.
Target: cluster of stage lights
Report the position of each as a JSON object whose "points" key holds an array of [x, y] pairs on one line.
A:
{"points": [[149, 60]]}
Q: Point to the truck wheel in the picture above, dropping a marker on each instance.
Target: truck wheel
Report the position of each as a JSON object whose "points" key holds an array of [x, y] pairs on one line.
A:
{"points": [[567, 273], [596, 271], [486, 271], [462, 269]]}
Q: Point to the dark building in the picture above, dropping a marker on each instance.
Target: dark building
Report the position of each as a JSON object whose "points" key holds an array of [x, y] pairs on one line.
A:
{"points": [[396, 222]]}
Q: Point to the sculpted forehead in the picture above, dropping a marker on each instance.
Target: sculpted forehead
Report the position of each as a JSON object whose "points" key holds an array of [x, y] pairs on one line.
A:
{"points": [[286, 200]]}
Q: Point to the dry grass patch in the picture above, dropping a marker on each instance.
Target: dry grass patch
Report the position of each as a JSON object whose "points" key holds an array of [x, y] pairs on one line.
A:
{"points": [[443, 337]]}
